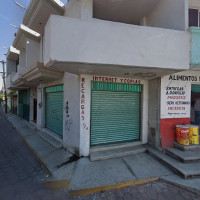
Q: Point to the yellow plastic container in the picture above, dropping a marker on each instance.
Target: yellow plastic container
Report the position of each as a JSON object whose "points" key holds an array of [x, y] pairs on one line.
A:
{"points": [[194, 135], [185, 142]]}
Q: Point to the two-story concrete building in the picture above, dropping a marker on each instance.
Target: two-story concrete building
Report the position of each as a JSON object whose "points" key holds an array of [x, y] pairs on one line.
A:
{"points": [[179, 92], [93, 72]]}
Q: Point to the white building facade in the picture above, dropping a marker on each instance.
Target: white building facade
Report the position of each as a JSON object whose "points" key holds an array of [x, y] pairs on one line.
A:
{"points": [[93, 69]]}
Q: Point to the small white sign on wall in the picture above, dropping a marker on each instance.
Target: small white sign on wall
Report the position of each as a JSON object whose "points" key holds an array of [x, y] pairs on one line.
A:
{"points": [[176, 94]]}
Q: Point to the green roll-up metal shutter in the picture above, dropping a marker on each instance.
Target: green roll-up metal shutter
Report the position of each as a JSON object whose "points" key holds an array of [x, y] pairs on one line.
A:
{"points": [[20, 103], [115, 113], [20, 109], [24, 103], [54, 109]]}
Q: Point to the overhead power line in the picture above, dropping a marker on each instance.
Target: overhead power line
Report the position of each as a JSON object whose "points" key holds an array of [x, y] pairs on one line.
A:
{"points": [[14, 26], [18, 4]]}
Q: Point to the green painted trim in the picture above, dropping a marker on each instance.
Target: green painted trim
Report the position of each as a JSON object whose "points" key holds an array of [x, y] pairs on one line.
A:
{"points": [[194, 29], [195, 88], [57, 88], [192, 64], [24, 103], [118, 87]]}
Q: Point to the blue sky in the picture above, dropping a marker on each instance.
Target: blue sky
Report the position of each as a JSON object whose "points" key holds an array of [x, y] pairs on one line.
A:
{"points": [[10, 13]]}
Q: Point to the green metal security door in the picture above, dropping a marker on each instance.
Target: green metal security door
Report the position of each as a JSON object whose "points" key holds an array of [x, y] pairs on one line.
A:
{"points": [[54, 109], [24, 103], [115, 113]]}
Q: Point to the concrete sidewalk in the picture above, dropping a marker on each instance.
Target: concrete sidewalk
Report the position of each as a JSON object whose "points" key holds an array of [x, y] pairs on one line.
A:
{"points": [[83, 176]]}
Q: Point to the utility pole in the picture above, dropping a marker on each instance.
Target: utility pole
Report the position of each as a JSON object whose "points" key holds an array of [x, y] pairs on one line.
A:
{"points": [[4, 82]]}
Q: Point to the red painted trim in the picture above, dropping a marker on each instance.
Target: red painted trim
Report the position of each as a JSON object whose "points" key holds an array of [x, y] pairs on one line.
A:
{"points": [[168, 130]]}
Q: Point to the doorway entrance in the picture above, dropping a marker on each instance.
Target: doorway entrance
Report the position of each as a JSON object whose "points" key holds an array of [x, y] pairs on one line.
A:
{"points": [[35, 111], [195, 104]]}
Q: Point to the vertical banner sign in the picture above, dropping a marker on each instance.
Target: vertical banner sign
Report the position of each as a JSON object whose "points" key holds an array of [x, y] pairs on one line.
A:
{"points": [[83, 122], [176, 96]]}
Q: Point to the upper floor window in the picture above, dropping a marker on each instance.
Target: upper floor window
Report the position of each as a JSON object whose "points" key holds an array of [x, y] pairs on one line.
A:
{"points": [[194, 17]]}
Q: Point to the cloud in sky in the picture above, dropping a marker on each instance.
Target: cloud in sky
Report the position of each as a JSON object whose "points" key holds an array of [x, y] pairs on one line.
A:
{"points": [[4, 17]]}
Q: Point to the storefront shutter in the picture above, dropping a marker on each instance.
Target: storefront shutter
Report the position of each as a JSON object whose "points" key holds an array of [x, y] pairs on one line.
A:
{"points": [[54, 109], [115, 114], [20, 109], [24, 103]]}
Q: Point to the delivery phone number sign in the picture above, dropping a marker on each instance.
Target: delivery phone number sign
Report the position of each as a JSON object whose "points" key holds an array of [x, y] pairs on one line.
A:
{"points": [[176, 95]]}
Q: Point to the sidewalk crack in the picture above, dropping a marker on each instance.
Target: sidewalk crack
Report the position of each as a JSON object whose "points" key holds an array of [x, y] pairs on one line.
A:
{"points": [[129, 168], [71, 159]]}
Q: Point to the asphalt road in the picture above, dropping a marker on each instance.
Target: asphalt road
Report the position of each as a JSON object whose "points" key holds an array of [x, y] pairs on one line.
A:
{"points": [[151, 191], [21, 175]]}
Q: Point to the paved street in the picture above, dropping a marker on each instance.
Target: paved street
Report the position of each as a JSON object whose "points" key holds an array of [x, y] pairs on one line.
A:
{"points": [[22, 176]]}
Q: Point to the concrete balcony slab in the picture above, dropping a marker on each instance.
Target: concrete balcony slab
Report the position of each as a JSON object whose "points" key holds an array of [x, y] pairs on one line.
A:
{"points": [[13, 82], [38, 73], [115, 49]]}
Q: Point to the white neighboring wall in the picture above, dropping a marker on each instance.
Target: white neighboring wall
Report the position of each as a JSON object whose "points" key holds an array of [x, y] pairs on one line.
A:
{"points": [[40, 107], [10, 66], [71, 120], [22, 61], [81, 9], [32, 52], [171, 14], [41, 57]]}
